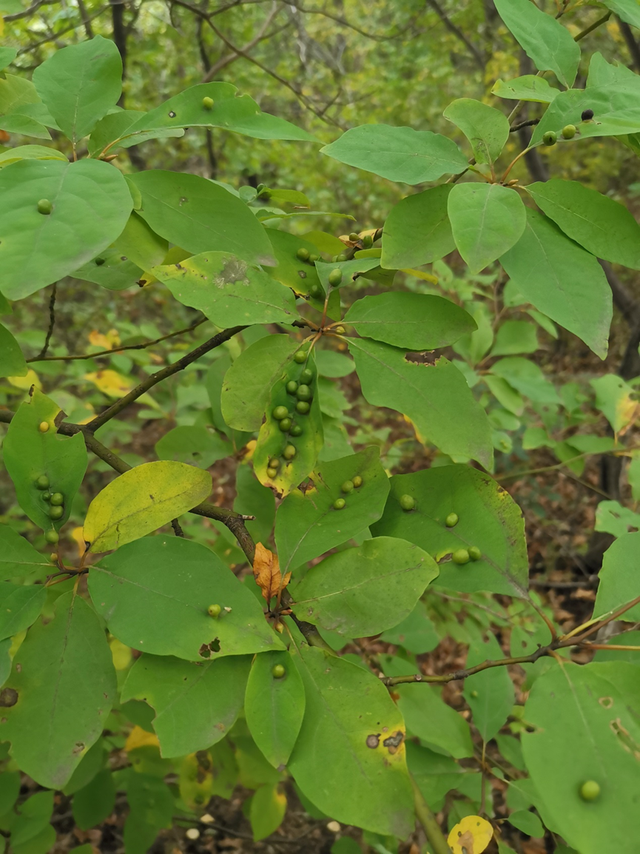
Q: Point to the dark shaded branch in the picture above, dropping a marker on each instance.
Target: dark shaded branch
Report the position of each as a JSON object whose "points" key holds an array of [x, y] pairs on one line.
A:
{"points": [[457, 32], [52, 323], [632, 44], [623, 299]]}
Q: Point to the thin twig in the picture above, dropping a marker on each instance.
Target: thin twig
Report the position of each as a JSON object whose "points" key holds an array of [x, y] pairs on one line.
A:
{"points": [[52, 322]]}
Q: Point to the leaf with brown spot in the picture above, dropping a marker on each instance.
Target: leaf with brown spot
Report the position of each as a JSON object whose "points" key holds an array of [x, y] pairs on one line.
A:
{"points": [[266, 571]]}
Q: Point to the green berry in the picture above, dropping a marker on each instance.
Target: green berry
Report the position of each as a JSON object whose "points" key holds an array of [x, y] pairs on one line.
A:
{"points": [[296, 430], [57, 499], [339, 330], [56, 512], [303, 254], [292, 387], [550, 137], [53, 557], [354, 236], [43, 426], [473, 694], [590, 790], [367, 241], [341, 257], [313, 258], [274, 463], [302, 407], [306, 376], [339, 504], [289, 452], [304, 392], [460, 556], [451, 520], [315, 291], [347, 486], [207, 103], [335, 277], [407, 502], [285, 425], [46, 496], [52, 537], [474, 553], [299, 356], [280, 412], [42, 482], [278, 671], [214, 610], [271, 472], [568, 131], [45, 206], [357, 481]]}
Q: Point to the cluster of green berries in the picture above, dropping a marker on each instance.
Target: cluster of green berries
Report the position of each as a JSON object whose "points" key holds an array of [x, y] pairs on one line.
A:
{"points": [[347, 488], [459, 556], [568, 131], [302, 391], [462, 556], [55, 500]]}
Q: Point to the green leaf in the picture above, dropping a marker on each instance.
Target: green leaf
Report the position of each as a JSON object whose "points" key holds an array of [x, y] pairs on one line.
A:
{"points": [[112, 132], [12, 362], [603, 226], [266, 811], [20, 106], [526, 377], [196, 704], [362, 591], [154, 595], [543, 39], [142, 500], [628, 10], [228, 291], [195, 445], [110, 270], [515, 336], [489, 693], [18, 558], [333, 364], [151, 810], [248, 382], [417, 230], [487, 518], [64, 684], [200, 216], [31, 832], [20, 607], [7, 55], [619, 577], [30, 454], [140, 244], [253, 499], [92, 762], [95, 802], [585, 729], [435, 396], [351, 719], [412, 321], [80, 84], [90, 206], [615, 399], [487, 220], [274, 706], [399, 154], [529, 87], [307, 525], [30, 152], [434, 773], [416, 633], [505, 394], [629, 655], [486, 128], [565, 282], [291, 271]]}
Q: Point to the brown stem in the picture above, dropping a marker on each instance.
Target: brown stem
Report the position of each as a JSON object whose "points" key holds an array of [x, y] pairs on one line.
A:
{"points": [[52, 323], [429, 823]]}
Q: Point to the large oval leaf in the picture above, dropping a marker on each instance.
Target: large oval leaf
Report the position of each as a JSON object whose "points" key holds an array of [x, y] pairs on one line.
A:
{"points": [[619, 577], [90, 205], [417, 230], [486, 128], [142, 500]]}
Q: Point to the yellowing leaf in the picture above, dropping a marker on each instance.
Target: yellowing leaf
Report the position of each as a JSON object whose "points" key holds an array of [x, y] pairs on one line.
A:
{"points": [[420, 274], [76, 535], [142, 500], [120, 653], [25, 382], [470, 836], [110, 383], [266, 571], [107, 342], [139, 737]]}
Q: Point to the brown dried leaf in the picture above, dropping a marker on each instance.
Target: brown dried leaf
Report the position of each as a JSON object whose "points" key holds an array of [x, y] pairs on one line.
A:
{"points": [[266, 571]]}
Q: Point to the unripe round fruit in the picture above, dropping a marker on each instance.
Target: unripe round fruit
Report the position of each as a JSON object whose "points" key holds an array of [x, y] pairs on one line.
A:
{"points": [[473, 694], [285, 425], [292, 387], [43, 426], [278, 671], [214, 610], [46, 496], [339, 330], [451, 520], [367, 241], [335, 277], [550, 138], [341, 257], [271, 472], [568, 131], [303, 254], [347, 486], [313, 258], [207, 103], [474, 553], [590, 790], [302, 407], [407, 502], [56, 512], [304, 392], [315, 291], [280, 412], [99, 262], [587, 115], [354, 236], [274, 463], [299, 356], [52, 537], [57, 499], [42, 482], [460, 556], [45, 206], [289, 452], [296, 430], [357, 481], [306, 376], [339, 504], [53, 557]]}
